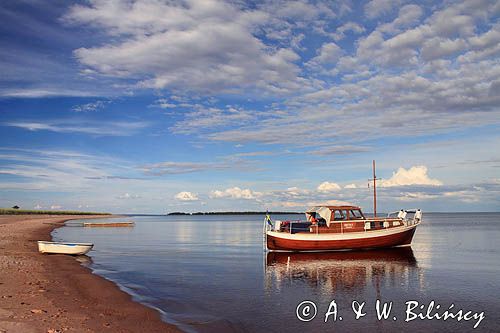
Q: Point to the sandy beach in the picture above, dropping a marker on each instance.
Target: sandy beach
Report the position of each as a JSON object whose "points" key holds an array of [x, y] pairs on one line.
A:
{"points": [[55, 293]]}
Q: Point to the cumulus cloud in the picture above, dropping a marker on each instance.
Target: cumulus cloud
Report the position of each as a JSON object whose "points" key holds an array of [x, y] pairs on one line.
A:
{"points": [[328, 54], [328, 187], [408, 16], [416, 175], [330, 203], [353, 27], [186, 196], [376, 8], [128, 196], [235, 193], [212, 45], [305, 204], [350, 186]]}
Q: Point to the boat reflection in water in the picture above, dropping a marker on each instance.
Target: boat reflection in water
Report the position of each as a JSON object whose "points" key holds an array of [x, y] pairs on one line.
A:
{"points": [[344, 271], [84, 260]]}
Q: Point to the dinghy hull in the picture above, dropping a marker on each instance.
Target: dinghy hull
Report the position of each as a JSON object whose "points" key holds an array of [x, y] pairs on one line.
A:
{"points": [[64, 248]]}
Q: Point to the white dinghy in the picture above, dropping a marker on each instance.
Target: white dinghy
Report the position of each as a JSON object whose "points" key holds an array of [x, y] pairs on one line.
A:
{"points": [[64, 248]]}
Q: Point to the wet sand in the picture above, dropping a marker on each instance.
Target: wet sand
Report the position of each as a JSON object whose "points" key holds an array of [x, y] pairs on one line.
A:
{"points": [[55, 293]]}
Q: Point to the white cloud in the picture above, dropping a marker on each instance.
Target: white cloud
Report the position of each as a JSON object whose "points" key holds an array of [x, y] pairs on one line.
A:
{"points": [[408, 16], [416, 175], [330, 203], [235, 193], [55, 207], [376, 8], [347, 27], [97, 128], [339, 150], [44, 92], [287, 204], [211, 118], [350, 186], [90, 107], [186, 196], [469, 196], [328, 187], [437, 48], [173, 167], [128, 196], [328, 54], [416, 196], [211, 45], [51, 170]]}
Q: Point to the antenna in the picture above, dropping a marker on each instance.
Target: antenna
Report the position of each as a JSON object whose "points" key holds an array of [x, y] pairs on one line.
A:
{"points": [[374, 179]]}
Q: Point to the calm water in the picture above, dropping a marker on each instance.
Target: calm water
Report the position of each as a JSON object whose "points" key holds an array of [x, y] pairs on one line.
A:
{"points": [[210, 274]]}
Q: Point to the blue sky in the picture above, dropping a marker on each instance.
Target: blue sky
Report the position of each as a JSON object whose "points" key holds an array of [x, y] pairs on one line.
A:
{"points": [[160, 106]]}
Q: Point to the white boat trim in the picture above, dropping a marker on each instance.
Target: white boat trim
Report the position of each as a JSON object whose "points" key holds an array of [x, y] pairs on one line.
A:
{"points": [[340, 236], [66, 243]]}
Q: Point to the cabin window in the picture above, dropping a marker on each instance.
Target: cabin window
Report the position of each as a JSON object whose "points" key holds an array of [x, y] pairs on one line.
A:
{"points": [[339, 215], [355, 214]]}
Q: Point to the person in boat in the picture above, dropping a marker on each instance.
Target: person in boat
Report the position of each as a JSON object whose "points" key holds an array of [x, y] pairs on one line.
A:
{"points": [[402, 214], [418, 215], [313, 219]]}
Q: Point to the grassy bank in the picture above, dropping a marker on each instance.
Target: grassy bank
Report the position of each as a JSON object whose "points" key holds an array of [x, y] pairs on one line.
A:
{"points": [[11, 211]]}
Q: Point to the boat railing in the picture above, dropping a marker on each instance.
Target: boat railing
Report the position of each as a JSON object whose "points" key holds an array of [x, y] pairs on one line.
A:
{"points": [[278, 225], [407, 220]]}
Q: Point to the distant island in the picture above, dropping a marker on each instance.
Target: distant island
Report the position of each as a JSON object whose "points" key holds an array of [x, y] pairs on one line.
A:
{"points": [[18, 211], [232, 213]]}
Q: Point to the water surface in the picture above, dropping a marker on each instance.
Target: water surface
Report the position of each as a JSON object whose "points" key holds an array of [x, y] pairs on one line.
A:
{"points": [[210, 273]]}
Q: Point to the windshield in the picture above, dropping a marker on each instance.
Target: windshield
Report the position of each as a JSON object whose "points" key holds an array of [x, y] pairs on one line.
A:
{"points": [[356, 214]]}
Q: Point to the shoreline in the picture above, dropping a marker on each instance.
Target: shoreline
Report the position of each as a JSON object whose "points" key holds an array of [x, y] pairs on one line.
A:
{"points": [[55, 293]]}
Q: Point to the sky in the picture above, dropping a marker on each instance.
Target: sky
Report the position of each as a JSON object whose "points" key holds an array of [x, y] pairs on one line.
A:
{"points": [[159, 106]]}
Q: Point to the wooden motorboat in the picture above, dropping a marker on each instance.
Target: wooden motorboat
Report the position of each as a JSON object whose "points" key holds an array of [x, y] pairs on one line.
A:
{"points": [[64, 248], [342, 228]]}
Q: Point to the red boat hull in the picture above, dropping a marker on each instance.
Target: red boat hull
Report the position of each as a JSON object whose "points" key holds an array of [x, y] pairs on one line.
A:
{"points": [[380, 241]]}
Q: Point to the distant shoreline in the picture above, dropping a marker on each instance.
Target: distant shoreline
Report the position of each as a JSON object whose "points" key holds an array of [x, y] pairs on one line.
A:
{"points": [[18, 211], [232, 213]]}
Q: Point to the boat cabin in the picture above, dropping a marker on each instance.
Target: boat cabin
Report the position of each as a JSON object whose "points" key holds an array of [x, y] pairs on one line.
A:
{"points": [[325, 215]]}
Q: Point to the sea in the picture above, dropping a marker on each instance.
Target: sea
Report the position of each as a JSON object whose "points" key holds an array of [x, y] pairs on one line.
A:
{"points": [[211, 273]]}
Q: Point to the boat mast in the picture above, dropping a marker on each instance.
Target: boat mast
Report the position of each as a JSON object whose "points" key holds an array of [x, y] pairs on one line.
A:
{"points": [[374, 191]]}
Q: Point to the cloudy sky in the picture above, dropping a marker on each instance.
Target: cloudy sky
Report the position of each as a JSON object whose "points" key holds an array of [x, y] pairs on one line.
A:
{"points": [[158, 106]]}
